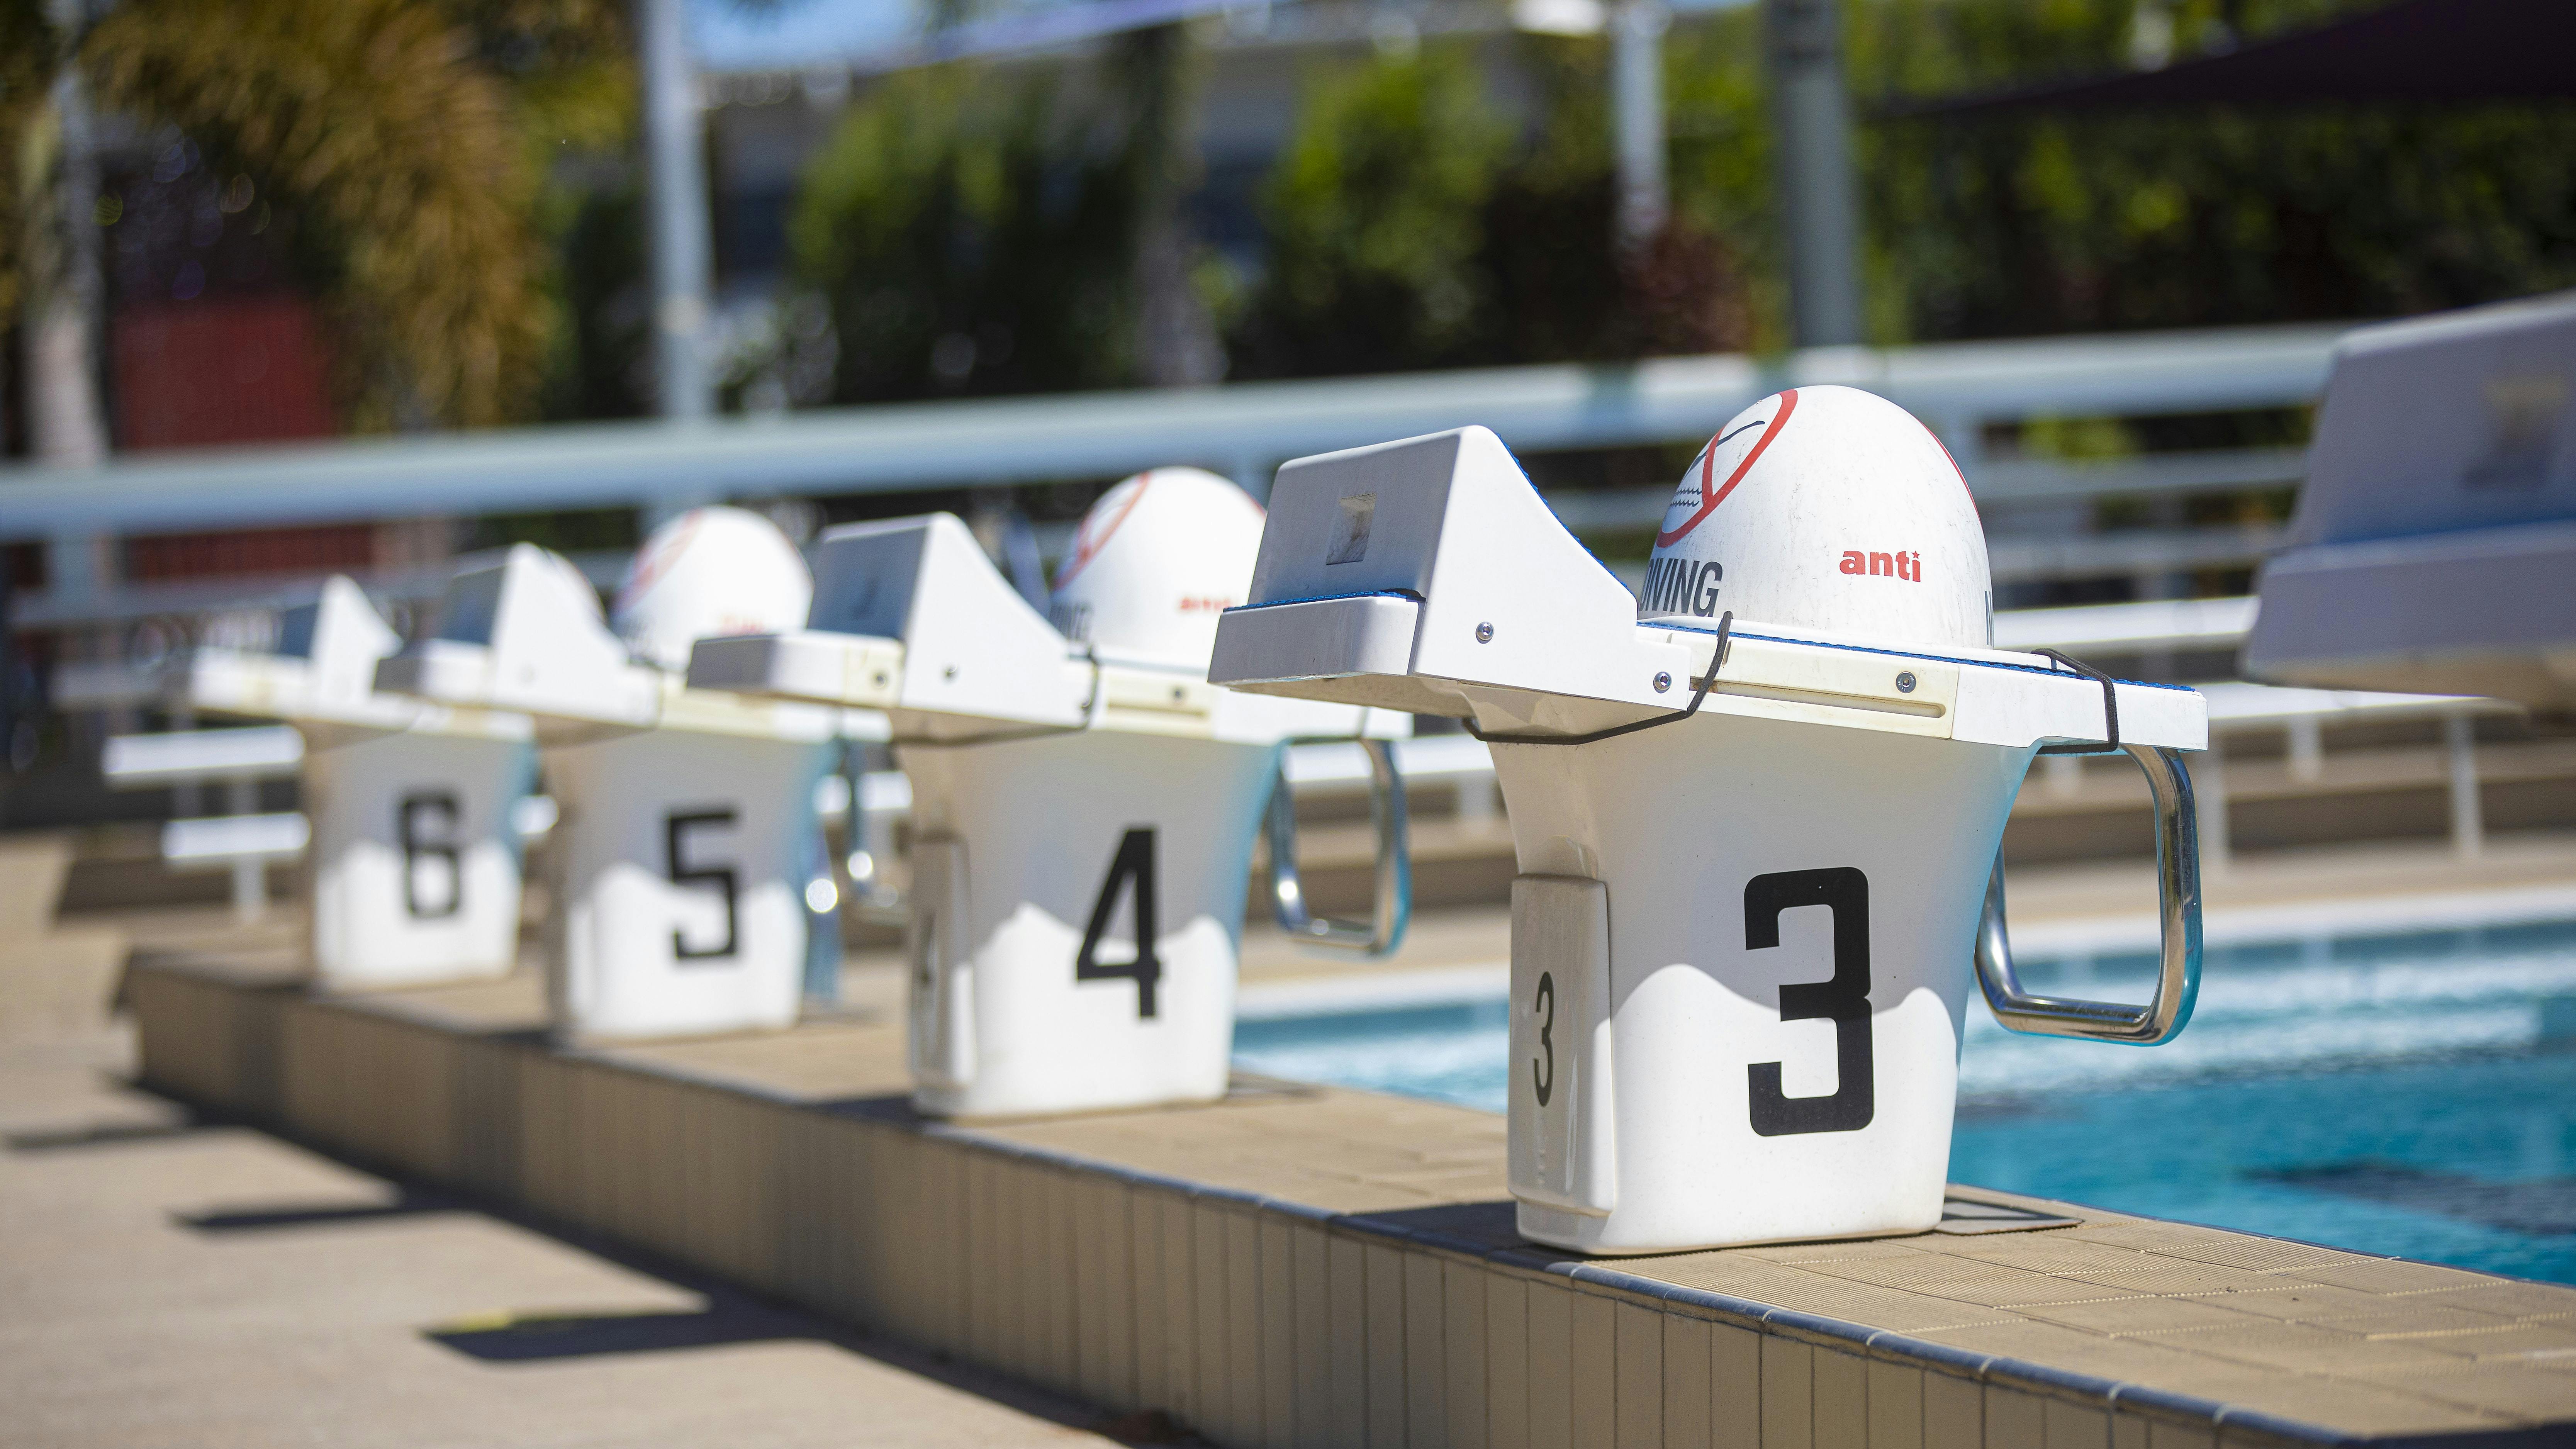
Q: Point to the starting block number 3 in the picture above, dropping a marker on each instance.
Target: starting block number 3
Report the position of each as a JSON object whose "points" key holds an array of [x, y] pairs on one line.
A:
{"points": [[1561, 1142], [1843, 1000]]}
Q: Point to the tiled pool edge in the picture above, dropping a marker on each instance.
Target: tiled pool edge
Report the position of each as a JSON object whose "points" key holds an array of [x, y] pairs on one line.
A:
{"points": [[1256, 1320]]}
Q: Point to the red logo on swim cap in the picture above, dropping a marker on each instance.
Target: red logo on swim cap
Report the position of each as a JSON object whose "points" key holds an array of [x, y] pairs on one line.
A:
{"points": [[1709, 500]]}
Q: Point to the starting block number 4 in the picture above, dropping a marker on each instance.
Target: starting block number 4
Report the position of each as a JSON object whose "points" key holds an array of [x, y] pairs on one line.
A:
{"points": [[1133, 866]]}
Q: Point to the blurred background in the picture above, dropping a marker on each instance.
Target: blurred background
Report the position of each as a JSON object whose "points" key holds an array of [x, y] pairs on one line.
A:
{"points": [[292, 287]]}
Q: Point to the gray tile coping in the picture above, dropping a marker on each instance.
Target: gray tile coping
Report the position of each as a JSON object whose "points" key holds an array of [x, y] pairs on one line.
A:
{"points": [[242, 1035]]}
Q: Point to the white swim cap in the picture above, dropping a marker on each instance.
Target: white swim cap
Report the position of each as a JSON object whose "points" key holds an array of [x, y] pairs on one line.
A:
{"points": [[1831, 509], [709, 572], [1154, 563]]}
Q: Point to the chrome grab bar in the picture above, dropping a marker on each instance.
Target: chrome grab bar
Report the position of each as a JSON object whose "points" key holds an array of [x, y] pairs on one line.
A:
{"points": [[1392, 908], [2178, 921]]}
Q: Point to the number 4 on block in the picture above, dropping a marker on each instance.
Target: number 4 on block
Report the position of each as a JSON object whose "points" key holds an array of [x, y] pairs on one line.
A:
{"points": [[1133, 863]]}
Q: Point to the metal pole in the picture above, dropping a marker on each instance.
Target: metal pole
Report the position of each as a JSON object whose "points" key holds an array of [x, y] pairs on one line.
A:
{"points": [[1253, 473], [2209, 782], [66, 423], [1637, 108], [250, 873], [676, 192], [2307, 749], [1813, 154], [81, 569], [2468, 818]]}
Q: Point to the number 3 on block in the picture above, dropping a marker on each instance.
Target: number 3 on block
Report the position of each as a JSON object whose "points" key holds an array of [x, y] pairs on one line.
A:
{"points": [[1133, 863], [1842, 1000]]}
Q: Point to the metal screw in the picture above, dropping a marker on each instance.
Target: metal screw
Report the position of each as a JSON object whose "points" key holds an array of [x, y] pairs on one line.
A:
{"points": [[1484, 633], [1663, 681], [1905, 683]]}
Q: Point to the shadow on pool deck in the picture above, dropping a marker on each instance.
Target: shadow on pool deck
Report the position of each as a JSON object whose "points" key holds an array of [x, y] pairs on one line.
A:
{"points": [[536, 1337], [408, 1203]]}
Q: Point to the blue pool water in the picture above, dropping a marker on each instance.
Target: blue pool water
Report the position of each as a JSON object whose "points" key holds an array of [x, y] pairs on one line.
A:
{"points": [[2407, 1094]]}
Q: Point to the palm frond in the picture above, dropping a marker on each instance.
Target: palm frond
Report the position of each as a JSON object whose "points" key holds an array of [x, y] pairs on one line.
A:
{"points": [[28, 54], [379, 121]]}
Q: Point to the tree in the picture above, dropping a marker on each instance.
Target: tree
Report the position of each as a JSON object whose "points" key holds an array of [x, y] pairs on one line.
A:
{"points": [[2038, 222], [387, 125], [28, 57], [52, 262], [1410, 227], [1565, 289], [972, 238], [1156, 72], [1374, 211], [411, 139]]}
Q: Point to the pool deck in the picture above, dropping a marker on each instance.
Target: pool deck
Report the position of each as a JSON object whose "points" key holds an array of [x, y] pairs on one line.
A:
{"points": [[169, 1281], [1305, 1265], [1293, 1266]]}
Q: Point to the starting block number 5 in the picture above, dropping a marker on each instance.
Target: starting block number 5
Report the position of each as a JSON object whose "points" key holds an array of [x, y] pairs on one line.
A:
{"points": [[677, 861]]}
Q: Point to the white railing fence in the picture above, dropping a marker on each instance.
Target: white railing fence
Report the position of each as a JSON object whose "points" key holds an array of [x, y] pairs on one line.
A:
{"points": [[2039, 509]]}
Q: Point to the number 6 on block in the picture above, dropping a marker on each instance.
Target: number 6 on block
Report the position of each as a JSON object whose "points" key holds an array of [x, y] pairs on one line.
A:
{"points": [[1561, 1152], [430, 852]]}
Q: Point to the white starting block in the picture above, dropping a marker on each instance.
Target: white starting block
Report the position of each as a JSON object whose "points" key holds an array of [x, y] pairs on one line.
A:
{"points": [[1084, 807], [414, 861], [687, 831], [1700, 1058], [2435, 539]]}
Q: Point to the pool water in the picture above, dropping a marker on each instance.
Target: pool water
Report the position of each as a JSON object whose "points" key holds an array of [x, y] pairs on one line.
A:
{"points": [[2405, 1094]]}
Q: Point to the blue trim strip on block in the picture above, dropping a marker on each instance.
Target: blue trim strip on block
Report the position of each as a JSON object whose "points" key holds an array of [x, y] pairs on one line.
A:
{"points": [[1326, 599]]}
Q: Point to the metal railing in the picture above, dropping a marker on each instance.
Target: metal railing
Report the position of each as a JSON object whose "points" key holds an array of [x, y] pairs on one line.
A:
{"points": [[1244, 430]]}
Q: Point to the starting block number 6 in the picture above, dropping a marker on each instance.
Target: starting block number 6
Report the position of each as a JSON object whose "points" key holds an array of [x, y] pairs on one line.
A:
{"points": [[430, 851]]}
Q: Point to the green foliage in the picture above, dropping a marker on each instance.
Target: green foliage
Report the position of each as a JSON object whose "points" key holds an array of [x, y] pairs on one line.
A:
{"points": [[1410, 227], [407, 135], [972, 242], [29, 51], [1719, 132], [1555, 289], [1408, 230], [1373, 212], [2038, 222], [570, 70], [601, 357], [569, 66]]}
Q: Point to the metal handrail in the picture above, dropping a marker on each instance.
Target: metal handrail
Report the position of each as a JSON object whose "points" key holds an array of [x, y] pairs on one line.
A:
{"points": [[1245, 426], [2178, 920], [1392, 903]]}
